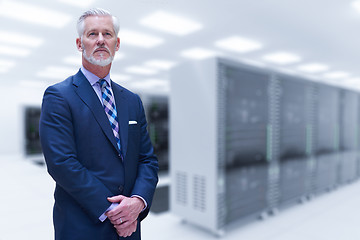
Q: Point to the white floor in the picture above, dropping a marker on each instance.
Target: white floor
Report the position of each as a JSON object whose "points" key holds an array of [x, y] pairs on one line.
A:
{"points": [[26, 206]]}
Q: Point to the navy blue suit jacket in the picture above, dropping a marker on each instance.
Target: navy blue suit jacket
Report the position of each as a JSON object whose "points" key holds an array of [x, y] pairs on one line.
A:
{"points": [[82, 157]]}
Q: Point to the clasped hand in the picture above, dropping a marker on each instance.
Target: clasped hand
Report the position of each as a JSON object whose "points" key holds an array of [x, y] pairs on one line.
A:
{"points": [[124, 216]]}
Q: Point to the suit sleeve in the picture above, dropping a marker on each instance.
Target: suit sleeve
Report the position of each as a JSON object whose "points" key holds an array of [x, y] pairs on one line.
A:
{"points": [[147, 177], [58, 143]]}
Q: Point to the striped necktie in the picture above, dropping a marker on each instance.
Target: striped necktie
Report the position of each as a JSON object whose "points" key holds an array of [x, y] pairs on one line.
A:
{"points": [[110, 109]]}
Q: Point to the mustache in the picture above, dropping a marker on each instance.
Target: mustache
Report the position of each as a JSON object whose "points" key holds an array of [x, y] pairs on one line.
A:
{"points": [[102, 48]]}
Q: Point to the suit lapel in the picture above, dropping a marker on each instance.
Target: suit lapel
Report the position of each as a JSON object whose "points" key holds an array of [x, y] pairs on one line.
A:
{"points": [[123, 115], [89, 97]]}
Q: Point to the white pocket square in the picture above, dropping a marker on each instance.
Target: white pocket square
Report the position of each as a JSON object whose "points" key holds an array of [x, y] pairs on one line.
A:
{"points": [[132, 122]]}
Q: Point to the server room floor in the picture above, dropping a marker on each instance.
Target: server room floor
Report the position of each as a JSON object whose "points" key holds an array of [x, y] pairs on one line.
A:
{"points": [[26, 203]]}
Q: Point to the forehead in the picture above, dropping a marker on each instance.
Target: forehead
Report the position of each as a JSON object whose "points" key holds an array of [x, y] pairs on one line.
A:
{"points": [[98, 23]]}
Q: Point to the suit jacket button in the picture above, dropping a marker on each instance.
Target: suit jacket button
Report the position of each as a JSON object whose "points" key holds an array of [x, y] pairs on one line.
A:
{"points": [[121, 188]]}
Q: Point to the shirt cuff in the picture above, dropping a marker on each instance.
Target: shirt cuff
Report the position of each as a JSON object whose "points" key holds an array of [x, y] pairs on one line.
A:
{"points": [[103, 217], [145, 203]]}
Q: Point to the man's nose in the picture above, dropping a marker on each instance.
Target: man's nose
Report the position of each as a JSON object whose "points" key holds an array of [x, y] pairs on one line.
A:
{"points": [[100, 39]]}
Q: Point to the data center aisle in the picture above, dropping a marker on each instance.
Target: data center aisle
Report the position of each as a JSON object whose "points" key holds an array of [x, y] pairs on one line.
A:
{"points": [[26, 202]]}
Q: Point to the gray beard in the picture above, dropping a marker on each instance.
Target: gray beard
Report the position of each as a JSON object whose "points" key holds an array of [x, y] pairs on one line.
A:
{"points": [[98, 62]]}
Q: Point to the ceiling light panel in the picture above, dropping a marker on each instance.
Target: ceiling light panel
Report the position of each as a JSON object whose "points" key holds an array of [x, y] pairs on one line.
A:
{"points": [[73, 60], [238, 44], [198, 53], [160, 64], [282, 58], [14, 51], [313, 68], [78, 3], [6, 63], [139, 39], [20, 39], [33, 14], [352, 81], [140, 70], [356, 5], [56, 72], [119, 77], [4, 70], [336, 75], [171, 23]]}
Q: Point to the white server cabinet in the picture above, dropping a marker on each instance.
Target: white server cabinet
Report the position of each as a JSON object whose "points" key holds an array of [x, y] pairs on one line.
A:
{"points": [[221, 138], [194, 150]]}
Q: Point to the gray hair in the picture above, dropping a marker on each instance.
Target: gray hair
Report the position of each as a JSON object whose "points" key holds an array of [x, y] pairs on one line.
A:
{"points": [[96, 12]]}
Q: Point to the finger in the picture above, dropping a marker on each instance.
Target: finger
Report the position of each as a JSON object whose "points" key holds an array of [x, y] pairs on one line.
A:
{"points": [[116, 211], [114, 214], [117, 198], [119, 221]]}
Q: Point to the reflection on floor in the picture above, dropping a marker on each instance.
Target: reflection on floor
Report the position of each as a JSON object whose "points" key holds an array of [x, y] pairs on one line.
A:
{"points": [[26, 206]]}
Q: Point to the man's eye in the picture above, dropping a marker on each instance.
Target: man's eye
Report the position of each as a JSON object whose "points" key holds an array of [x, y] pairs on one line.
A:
{"points": [[91, 34]]}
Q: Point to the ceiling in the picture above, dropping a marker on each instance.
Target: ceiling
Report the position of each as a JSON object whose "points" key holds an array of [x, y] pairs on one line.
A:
{"points": [[323, 32]]}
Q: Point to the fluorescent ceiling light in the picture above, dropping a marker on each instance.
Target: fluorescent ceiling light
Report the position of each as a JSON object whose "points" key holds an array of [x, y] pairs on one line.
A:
{"points": [[73, 60], [119, 77], [336, 75], [282, 58], [56, 72], [32, 84], [313, 68], [14, 51], [238, 44], [6, 63], [78, 3], [198, 53], [252, 62], [140, 70], [352, 81], [33, 14], [170, 23], [160, 64], [151, 84], [356, 5], [139, 39], [4, 70], [20, 39]]}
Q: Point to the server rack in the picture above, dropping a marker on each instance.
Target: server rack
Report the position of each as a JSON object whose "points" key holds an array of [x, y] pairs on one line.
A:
{"points": [[295, 133], [245, 141], [246, 119], [222, 136], [326, 140], [157, 113], [32, 138], [348, 136]]}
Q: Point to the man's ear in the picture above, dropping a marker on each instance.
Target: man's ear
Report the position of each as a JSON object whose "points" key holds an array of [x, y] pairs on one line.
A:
{"points": [[117, 44], [79, 45]]}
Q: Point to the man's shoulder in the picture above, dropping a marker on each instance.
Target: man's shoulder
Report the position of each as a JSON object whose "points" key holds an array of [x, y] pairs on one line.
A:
{"points": [[65, 84]]}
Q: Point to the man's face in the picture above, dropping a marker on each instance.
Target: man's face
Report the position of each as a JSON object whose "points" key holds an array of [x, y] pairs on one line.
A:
{"points": [[99, 42]]}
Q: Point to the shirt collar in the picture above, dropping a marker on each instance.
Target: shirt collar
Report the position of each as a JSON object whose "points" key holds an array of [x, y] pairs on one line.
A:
{"points": [[92, 78]]}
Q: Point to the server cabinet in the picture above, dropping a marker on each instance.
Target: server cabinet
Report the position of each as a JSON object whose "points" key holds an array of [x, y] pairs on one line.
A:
{"points": [[246, 140], [32, 138], [326, 137], [295, 138], [348, 136], [246, 119], [157, 112], [221, 142]]}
